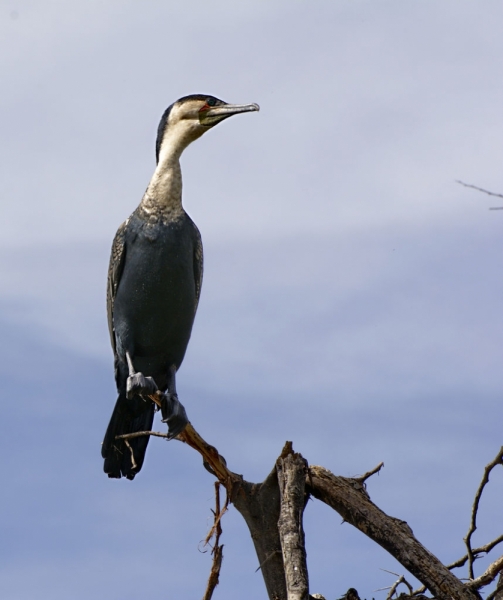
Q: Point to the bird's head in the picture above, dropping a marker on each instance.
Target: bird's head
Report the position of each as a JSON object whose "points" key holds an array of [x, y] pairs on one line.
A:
{"points": [[191, 116]]}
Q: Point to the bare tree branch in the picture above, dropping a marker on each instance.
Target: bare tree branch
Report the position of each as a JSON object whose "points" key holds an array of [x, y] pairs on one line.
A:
{"points": [[395, 536], [489, 574], [392, 589], [401, 580], [363, 478], [130, 436], [479, 189], [217, 549], [473, 522], [262, 504], [498, 592], [259, 505], [462, 561], [216, 529], [128, 446], [292, 469], [482, 549]]}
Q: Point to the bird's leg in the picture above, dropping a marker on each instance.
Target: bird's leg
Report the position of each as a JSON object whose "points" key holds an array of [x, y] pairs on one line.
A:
{"points": [[137, 383], [173, 412]]}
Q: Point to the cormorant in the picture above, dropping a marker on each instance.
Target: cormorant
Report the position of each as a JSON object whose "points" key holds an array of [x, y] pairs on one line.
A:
{"points": [[154, 283]]}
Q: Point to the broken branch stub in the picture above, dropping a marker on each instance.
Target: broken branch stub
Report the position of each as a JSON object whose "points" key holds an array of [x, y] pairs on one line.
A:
{"points": [[291, 469]]}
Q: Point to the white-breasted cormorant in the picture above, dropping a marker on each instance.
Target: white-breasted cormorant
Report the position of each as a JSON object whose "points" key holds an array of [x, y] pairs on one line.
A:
{"points": [[154, 282]]}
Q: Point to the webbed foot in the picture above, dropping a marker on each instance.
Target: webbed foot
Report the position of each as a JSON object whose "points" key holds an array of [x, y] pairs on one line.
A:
{"points": [[173, 413], [137, 383]]}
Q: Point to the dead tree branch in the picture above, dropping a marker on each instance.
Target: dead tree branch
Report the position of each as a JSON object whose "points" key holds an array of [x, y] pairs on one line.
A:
{"points": [[291, 469], [259, 504], [273, 511], [216, 529], [479, 189], [393, 535], [498, 592], [394, 587], [476, 551], [217, 550], [498, 460], [489, 574], [363, 478], [130, 436], [462, 561]]}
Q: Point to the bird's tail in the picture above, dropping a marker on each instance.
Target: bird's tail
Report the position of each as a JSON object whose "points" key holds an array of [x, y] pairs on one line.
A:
{"points": [[124, 458]]}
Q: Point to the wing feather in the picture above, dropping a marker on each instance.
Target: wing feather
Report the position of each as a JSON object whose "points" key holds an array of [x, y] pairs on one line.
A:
{"points": [[198, 263], [115, 268]]}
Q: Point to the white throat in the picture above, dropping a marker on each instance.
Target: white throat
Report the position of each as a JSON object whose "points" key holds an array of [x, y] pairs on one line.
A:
{"points": [[165, 187]]}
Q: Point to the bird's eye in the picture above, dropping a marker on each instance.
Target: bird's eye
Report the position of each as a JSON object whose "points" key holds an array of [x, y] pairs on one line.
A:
{"points": [[211, 102]]}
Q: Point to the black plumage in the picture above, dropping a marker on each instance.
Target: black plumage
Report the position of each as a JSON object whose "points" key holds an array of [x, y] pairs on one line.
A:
{"points": [[154, 284]]}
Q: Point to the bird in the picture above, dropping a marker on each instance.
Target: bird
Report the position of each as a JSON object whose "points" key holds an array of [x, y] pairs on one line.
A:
{"points": [[153, 288]]}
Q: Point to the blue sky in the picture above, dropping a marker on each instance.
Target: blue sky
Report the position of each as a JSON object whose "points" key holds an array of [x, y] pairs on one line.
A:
{"points": [[351, 300]]}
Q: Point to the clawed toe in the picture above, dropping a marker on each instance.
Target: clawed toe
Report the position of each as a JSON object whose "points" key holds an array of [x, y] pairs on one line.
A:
{"points": [[173, 413], [141, 385]]}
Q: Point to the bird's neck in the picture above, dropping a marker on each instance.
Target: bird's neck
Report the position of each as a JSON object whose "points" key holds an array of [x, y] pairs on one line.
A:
{"points": [[164, 192]]}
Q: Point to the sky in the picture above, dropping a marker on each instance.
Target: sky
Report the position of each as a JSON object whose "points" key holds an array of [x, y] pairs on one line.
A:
{"points": [[352, 292]]}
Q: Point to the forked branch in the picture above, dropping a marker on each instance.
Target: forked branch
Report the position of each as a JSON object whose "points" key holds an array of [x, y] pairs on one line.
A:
{"points": [[273, 512], [352, 502], [498, 460]]}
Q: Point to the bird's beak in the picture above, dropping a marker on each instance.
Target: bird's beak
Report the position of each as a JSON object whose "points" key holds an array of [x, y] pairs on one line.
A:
{"points": [[214, 114]]}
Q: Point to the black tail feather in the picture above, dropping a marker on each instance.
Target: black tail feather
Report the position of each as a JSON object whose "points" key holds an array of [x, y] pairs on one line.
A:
{"points": [[126, 459]]}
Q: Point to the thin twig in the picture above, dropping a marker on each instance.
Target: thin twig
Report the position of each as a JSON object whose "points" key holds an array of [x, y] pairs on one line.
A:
{"points": [[217, 548], [419, 591], [209, 453], [218, 465], [216, 528], [130, 436], [394, 535], [489, 574], [476, 187], [392, 589], [363, 478], [486, 549], [133, 462], [479, 189], [462, 561], [473, 521]]}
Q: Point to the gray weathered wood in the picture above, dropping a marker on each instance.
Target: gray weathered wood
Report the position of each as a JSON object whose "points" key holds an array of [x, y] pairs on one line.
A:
{"points": [[350, 499], [259, 504], [499, 593], [292, 469]]}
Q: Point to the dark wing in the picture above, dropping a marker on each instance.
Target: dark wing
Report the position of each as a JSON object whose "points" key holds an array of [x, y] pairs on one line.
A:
{"points": [[115, 268], [198, 263]]}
